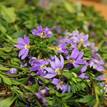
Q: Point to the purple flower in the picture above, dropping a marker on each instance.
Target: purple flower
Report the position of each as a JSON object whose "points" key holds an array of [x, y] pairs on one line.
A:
{"points": [[83, 39], [101, 78], [38, 65], [84, 76], [71, 41], [57, 29], [42, 32], [12, 71], [79, 38], [65, 45], [84, 67], [60, 85], [23, 45], [77, 58], [49, 73], [93, 48], [56, 67], [57, 63], [41, 95], [96, 62], [62, 48]]}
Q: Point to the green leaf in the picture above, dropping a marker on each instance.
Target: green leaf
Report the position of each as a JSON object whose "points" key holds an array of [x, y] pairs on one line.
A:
{"points": [[71, 73], [17, 91], [6, 49], [88, 99], [6, 80], [7, 102], [2, 28], [8, 13], [67, 74], [87, 53], [2, 68], [70, 8], [15, 61]]}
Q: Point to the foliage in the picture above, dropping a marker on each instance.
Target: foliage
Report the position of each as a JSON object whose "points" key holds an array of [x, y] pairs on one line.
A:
{"points": [[18, 18]]}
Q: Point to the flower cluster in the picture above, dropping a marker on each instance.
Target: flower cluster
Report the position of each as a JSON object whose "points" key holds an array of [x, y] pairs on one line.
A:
{"points": [[72, 47], [42, 32], [71, 50]]}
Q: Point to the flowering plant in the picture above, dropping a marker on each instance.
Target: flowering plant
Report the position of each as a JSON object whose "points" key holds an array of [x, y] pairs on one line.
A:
{"points": [[51, 71]]}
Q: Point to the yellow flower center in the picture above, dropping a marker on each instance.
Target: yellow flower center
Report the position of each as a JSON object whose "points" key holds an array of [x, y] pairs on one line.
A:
{"points": [[82, 40], [43, 66], [61, 83], [72, 61], [27, 46], [58, 71], [42, 34], [81, 43]]}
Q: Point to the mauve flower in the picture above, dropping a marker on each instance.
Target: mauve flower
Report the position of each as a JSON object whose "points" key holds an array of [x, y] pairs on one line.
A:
{"points": [[12, 71], [79, 38], [41, 95], [92, 47], [77, 58], [62, 48], [84, 67], [57, 63], [72, 40], [49, 73], [96, 62], [83, 39], [67, 42], [60, 85], [47, 32], [58, 29], [23, 45], [101, 77], [56, 67], [84, 76], [38, 65], [42, 32]]}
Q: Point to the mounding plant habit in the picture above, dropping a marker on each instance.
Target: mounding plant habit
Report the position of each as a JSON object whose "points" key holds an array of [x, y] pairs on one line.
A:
{"points": [[52, 71]]}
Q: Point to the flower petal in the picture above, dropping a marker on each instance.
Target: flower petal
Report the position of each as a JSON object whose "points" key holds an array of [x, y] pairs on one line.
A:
{"points": [[57, 62], [75, 53], [55, 81], [62, 61], [26, 39], [49, 70], [21, 52], [25, 54], [50, 75], [83, 76], [21, 41]]}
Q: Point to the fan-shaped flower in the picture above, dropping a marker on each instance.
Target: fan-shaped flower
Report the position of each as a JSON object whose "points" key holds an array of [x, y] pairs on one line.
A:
{"points": [[23, 45], [56, 67], [60, 85], [42, 32]]}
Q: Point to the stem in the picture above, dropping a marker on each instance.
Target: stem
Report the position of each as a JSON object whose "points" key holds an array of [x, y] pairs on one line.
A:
{"points": [[96, 94], [38, 103]]}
